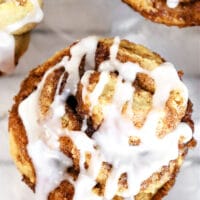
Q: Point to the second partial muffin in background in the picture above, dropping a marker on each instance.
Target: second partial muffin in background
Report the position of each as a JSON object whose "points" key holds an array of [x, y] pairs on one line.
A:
{"points": [[18, 18], [181, 13]]}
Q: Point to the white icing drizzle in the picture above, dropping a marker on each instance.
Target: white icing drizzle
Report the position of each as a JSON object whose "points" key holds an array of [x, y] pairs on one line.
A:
{"points": [[127, 70], [123, 93], [86, 179], [86, 47], [54, 160], [7, 49], [161, 77], [104, 77], [110, 142], [145, 159], [45, 141], [7, 52], [172, 3]]}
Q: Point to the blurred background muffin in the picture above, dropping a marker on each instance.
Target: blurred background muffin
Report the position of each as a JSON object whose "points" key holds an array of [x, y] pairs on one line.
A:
{"points": [[18, 18], [75, 19]]}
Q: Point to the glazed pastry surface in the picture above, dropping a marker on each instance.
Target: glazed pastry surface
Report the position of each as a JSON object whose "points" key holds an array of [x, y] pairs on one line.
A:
{"points": [[181, 13], [106, 120]]}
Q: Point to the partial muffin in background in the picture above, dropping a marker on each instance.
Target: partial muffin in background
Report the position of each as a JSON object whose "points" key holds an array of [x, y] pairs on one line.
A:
{"points": [[101, 119], [18, 18], [180, 13]]}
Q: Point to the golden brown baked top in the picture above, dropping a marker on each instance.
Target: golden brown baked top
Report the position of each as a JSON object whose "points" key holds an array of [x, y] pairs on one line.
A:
{"points": [[86, 118]]}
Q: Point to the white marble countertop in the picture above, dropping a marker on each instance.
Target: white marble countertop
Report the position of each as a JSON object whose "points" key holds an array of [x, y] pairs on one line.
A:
{"points": [[69, 20]]}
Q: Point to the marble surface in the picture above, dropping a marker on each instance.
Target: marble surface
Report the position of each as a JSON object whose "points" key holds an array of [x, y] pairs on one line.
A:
{"points": [[68, 20]]}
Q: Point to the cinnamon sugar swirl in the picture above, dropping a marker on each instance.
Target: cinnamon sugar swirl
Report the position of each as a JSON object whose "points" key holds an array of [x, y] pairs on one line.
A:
{"points": [[101, 119]]}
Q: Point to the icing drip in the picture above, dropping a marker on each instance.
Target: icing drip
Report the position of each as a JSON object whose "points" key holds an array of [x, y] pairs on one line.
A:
{"points": [[110, 142], [7, 46], [149, 156], [7, 49], [45, 141], [51, 130], [172, 3]]}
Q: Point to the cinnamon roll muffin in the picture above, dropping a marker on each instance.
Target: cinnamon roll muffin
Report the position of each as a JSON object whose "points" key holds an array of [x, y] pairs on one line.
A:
{"points": [[18, 18], [101, 119], [180, 13]]}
